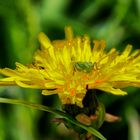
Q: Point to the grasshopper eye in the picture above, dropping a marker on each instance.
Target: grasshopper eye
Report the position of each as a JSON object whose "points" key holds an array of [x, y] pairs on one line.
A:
{"points": [[84, 66]]}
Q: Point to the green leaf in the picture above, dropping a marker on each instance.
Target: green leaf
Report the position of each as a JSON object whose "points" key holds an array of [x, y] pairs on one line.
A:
{"points": [[54, 111], [101, 114]]}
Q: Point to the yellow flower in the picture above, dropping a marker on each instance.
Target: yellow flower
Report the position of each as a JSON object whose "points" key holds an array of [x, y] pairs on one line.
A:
{"points": [[71, 66]]}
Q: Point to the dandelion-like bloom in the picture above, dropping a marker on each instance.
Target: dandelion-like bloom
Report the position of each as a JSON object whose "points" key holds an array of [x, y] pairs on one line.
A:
{"points": [[71, 66]]}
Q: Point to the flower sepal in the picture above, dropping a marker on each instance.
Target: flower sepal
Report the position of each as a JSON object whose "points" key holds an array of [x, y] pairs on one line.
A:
{"points": [[92, 114]]}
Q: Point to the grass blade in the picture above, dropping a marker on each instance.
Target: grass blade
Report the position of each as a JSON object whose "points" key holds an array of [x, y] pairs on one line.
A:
{"points": [[54, 111]]}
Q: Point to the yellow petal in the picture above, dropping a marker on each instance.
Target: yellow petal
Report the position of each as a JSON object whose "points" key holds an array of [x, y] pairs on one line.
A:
{"points": [[8, 72], [127, 51], [25, 85], [7, 83], [44, 40], [48, 92], [68, 33], [108, 88]]}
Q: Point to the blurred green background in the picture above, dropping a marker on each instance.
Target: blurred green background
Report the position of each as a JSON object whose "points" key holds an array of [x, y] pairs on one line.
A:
{"points": [[116, 21]]}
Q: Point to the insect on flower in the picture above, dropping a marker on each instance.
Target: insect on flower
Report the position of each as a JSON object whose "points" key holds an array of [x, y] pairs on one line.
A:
{"points": [[70, 65], [85, 66]]}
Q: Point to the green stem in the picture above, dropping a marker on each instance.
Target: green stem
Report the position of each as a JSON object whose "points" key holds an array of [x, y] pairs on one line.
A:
{"points": [[54, 111]]}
